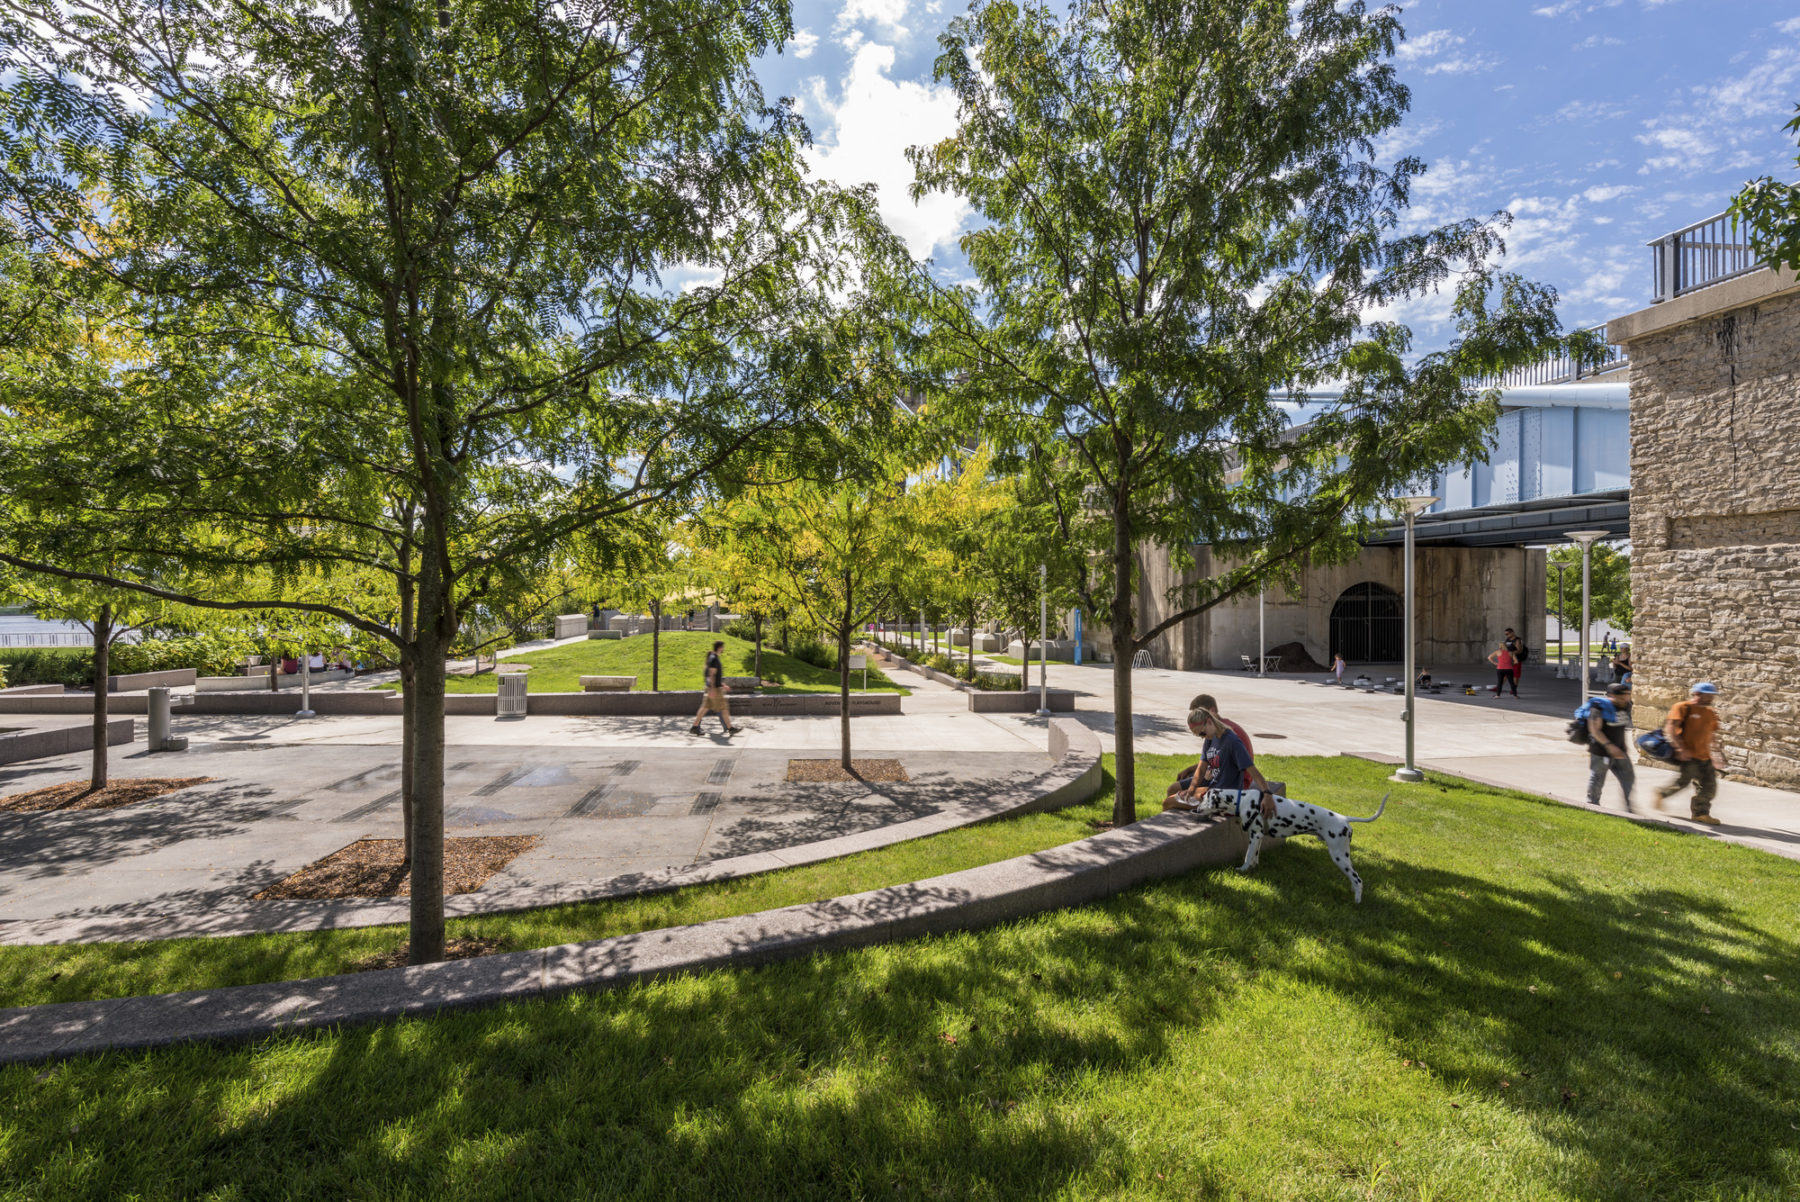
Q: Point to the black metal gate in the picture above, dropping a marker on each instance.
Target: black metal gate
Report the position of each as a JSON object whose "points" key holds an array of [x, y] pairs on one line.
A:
{"points": [[1368, 625]]}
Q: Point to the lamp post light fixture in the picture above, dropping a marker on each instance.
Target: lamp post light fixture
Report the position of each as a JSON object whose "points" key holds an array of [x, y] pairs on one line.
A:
{"points": [[1043, 641], [1410, 508], [1586, 538]]}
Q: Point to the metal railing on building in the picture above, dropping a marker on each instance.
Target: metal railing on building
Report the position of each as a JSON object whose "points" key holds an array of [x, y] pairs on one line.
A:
{"points": [[1555, 369], [1700, 255]]}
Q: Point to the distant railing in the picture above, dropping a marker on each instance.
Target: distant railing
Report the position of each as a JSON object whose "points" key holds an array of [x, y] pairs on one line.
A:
{"points": [[1706, 253], [46, 639], [1556, 369]]}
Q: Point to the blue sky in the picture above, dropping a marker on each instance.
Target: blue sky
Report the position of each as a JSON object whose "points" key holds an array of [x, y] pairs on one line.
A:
{"points": [[1599, 124]]}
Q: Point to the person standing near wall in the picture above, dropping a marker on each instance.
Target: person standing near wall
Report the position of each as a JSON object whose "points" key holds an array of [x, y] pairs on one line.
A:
{"points": [[1692, 729], [1504, 665]]}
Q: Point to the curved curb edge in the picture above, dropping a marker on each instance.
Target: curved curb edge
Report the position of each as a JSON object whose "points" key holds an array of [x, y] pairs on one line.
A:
{"points": [[1091, 868], [1073, 778]]}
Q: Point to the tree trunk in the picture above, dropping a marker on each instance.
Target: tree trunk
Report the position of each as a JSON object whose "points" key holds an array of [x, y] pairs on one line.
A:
{"points": [[409, 724], [971, 644], [1124, 625], [844, 675], [426, 942], [759, 621], [103, 633], [409, 714], [655, 647], [1025, 664]]}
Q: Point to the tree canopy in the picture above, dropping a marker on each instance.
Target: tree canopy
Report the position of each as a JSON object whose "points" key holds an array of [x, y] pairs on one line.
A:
{"points": [[1186, 229]]}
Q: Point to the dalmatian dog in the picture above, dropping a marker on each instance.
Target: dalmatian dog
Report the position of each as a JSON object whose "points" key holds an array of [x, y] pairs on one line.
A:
{"points": [[1291, 818]]}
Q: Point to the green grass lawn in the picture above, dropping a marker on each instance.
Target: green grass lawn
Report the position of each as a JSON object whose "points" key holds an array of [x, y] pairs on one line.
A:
{"points": [[1533, 1002], [683, 657]]}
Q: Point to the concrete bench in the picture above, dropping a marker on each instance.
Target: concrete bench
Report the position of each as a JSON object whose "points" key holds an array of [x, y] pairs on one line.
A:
{"points": [[608, 684], [742, 684]]}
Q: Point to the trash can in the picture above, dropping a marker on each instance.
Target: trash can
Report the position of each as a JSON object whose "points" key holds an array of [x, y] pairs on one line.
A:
{"points": [[511, 703]]}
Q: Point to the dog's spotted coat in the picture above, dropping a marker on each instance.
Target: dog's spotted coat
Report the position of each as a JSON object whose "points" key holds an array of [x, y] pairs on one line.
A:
{"points": [[1291, 818]]}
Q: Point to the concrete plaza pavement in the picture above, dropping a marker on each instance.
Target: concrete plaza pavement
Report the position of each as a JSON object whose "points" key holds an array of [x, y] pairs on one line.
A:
{"points": [[617, 796]]}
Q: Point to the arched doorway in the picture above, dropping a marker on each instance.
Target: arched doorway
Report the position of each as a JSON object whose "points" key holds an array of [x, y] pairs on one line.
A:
{"points": [[1368, 625]]}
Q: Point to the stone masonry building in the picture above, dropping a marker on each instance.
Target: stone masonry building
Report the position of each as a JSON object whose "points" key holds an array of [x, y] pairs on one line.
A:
{"points": [[1715, 511]]}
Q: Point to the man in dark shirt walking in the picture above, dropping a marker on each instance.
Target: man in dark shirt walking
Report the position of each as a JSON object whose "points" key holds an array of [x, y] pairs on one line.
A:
{"points": [[1609, 723], [713, 680]]}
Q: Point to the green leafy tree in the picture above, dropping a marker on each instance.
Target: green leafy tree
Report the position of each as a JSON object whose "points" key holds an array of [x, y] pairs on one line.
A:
{"points": [[825, 550], [1609, 587], [1769, 209], [399, 270], [1184, 224]]}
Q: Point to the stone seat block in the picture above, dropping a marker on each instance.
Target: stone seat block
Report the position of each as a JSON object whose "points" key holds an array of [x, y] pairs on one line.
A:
{"points": [[608, 684]]}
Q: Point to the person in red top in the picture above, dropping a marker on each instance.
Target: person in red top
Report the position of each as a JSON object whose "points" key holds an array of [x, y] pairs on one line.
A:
{"points": [[1504, 662], [1205, 702]]}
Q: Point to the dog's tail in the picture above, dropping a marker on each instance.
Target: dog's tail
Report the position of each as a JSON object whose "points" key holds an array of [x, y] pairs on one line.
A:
{"points": [[1377, 813]]}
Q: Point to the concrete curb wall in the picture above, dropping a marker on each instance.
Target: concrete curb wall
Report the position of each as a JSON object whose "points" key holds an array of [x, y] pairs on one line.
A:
{"points": [[174, 678], [1091, 868], [379, 701], [1061, 701], [34, 690], [1074, 778], [61, 740]]}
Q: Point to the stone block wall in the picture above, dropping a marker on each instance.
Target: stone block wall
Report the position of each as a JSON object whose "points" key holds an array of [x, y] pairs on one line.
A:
{"points": [[1715, 523]]}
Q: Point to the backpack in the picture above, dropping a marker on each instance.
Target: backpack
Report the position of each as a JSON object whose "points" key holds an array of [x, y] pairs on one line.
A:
{"points": [[1656, 745], [1577, 731], [1524, 653]]}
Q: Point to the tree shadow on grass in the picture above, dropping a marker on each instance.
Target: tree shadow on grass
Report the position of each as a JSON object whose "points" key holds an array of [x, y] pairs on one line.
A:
{"points": [[951, 1067]]}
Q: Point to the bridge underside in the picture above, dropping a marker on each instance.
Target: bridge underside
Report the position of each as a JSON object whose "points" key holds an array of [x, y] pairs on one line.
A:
{"points": [[1542, 520]]}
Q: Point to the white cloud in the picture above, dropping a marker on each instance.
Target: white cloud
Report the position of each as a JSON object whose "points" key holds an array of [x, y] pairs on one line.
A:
{"points": [[874, 118], [883, 12], [1713, 128], [1594, 40], [1439, 51], [804, 42], [1602, 193]]}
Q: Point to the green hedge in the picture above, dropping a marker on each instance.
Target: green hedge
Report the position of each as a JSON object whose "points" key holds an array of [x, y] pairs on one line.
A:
{"points": [[73, 667]]}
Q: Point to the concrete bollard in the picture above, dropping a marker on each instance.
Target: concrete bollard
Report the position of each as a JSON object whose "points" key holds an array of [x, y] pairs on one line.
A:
{"points": [[159, 718]]}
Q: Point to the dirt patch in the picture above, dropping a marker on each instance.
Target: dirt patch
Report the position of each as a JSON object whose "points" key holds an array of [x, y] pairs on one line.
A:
{"points": [[865, 771], [75, 795], [454, 949], [376, 868]]}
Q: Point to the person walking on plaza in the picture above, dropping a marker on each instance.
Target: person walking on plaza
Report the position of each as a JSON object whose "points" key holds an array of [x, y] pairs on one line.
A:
{"points": [[713, 678], [1608, 723], [1692, 730], [1621, 665], [1337, 666], [1504, 665]]}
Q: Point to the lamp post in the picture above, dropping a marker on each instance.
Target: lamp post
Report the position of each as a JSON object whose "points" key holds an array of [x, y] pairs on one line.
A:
{"points": [[1043, 640], [306, 709], [1586, 538], [1410, 508], [1262, 638]]}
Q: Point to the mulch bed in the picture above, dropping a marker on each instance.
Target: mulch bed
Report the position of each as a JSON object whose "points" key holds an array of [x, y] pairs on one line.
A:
{"points": [[865, 771], [376, 868], [75, 794], [454, 949]]}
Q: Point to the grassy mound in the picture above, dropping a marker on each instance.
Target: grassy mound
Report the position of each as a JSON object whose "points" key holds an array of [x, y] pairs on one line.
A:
{"points": [[1533, 1002], [683, 659]]}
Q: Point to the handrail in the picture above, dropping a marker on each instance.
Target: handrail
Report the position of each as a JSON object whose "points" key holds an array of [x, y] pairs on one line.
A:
{"points": [[1700, 255], [1554, 369]]}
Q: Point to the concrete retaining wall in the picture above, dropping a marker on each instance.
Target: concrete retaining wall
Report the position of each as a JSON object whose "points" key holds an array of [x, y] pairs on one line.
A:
{"points": [[34, 690], [61, 740], [1062, 701], [174, 678], [380, 701]]}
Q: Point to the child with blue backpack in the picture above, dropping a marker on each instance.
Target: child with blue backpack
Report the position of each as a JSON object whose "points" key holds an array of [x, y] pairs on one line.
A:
{"points": [[1608, 721]]}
